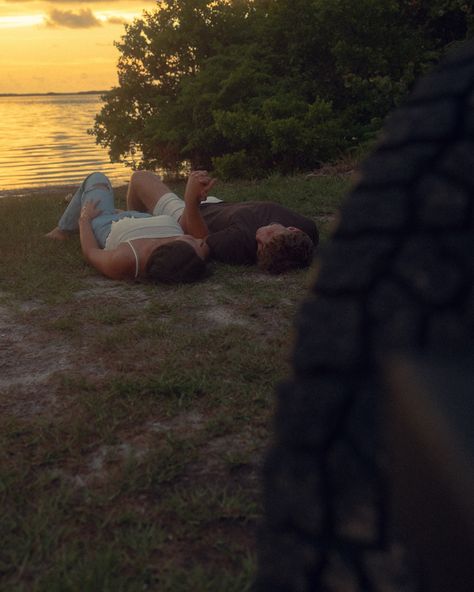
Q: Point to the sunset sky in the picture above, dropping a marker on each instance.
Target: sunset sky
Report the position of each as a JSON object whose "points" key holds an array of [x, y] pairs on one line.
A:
{"points": [[62, 45]]}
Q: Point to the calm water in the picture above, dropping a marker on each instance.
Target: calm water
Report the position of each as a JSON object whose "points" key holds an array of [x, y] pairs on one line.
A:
{"points": [[44, 141]]}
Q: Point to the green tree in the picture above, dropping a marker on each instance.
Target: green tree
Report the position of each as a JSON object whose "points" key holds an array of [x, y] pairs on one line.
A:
{"points": [[159, 53], [249, 86]]}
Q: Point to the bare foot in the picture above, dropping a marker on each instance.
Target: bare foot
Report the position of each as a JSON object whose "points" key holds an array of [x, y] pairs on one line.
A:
{"points": [[58, 234]]}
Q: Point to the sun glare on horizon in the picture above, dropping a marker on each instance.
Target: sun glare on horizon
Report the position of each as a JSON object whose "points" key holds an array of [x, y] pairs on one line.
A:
{"points": [[18, 21]]}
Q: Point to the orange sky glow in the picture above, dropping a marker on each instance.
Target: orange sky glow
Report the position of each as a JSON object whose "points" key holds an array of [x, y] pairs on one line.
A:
{"points": [[62, 45]]}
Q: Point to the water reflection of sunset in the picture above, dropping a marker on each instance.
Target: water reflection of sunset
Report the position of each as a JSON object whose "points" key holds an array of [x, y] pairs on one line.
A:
{"points": [[62, 46], [45, 142]]}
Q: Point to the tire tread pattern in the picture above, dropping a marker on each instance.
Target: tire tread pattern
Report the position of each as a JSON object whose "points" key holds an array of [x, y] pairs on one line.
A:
{"points": [[397, 274]]}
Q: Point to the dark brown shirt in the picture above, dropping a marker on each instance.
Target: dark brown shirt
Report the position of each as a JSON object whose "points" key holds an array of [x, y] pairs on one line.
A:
{"points": [[232, 227]]}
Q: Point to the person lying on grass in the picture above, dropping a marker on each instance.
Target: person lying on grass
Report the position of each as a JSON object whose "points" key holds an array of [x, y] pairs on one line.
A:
{"points": [[244, 233], [134, 244]]}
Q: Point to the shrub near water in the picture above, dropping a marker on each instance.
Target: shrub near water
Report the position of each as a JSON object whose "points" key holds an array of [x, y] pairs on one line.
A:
{"points": [[249, 88]]}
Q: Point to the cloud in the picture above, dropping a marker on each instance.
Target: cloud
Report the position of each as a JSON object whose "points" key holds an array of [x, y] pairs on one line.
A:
{"points": [[84, 19], [116, 20]]}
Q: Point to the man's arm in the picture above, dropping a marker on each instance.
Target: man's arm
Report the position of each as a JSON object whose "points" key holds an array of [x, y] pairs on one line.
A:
{"points": [[191, 220]]}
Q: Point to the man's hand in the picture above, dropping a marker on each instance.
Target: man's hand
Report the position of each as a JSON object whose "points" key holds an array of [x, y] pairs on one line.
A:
{"points": [[197, 187], [89, 211]]}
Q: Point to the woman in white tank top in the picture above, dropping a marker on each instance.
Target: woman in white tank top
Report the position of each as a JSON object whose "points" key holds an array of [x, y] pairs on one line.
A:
{"points": [[166, 245]]}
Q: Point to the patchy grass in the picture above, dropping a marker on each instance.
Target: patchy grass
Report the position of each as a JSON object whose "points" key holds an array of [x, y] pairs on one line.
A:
{"points": [[134, 418]]}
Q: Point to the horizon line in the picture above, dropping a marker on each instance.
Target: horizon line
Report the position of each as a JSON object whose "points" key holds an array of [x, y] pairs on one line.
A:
{"points": [[54, 93]]}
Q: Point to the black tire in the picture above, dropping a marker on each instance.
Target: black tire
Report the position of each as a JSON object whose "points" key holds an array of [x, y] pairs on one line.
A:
{"points": [[397, 274]]}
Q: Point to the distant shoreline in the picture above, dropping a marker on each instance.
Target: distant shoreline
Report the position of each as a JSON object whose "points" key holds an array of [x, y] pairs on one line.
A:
{"points": [[55, 94]]}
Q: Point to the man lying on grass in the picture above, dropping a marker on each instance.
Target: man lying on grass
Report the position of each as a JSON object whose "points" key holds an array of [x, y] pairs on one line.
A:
{"points": [[137, 245], [261, 232]]}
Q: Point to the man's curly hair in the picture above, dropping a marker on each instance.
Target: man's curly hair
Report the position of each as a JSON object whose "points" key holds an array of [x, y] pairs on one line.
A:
{"points": [[288, 250], [175, 262]]}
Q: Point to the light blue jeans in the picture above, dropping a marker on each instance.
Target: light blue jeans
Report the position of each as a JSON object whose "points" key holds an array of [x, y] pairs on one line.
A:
{"points": [[97, 188]]}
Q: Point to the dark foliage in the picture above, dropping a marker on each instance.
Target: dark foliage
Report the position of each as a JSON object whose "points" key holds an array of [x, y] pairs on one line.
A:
{"points": [[253, 86]]}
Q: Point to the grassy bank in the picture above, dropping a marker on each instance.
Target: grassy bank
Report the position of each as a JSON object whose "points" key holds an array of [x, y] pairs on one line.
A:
{"points": [[134, 418]]}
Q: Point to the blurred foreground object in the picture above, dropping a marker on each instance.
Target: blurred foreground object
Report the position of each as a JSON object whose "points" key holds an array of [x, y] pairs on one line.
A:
{"points": [[430, 411], [396, 276]]}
